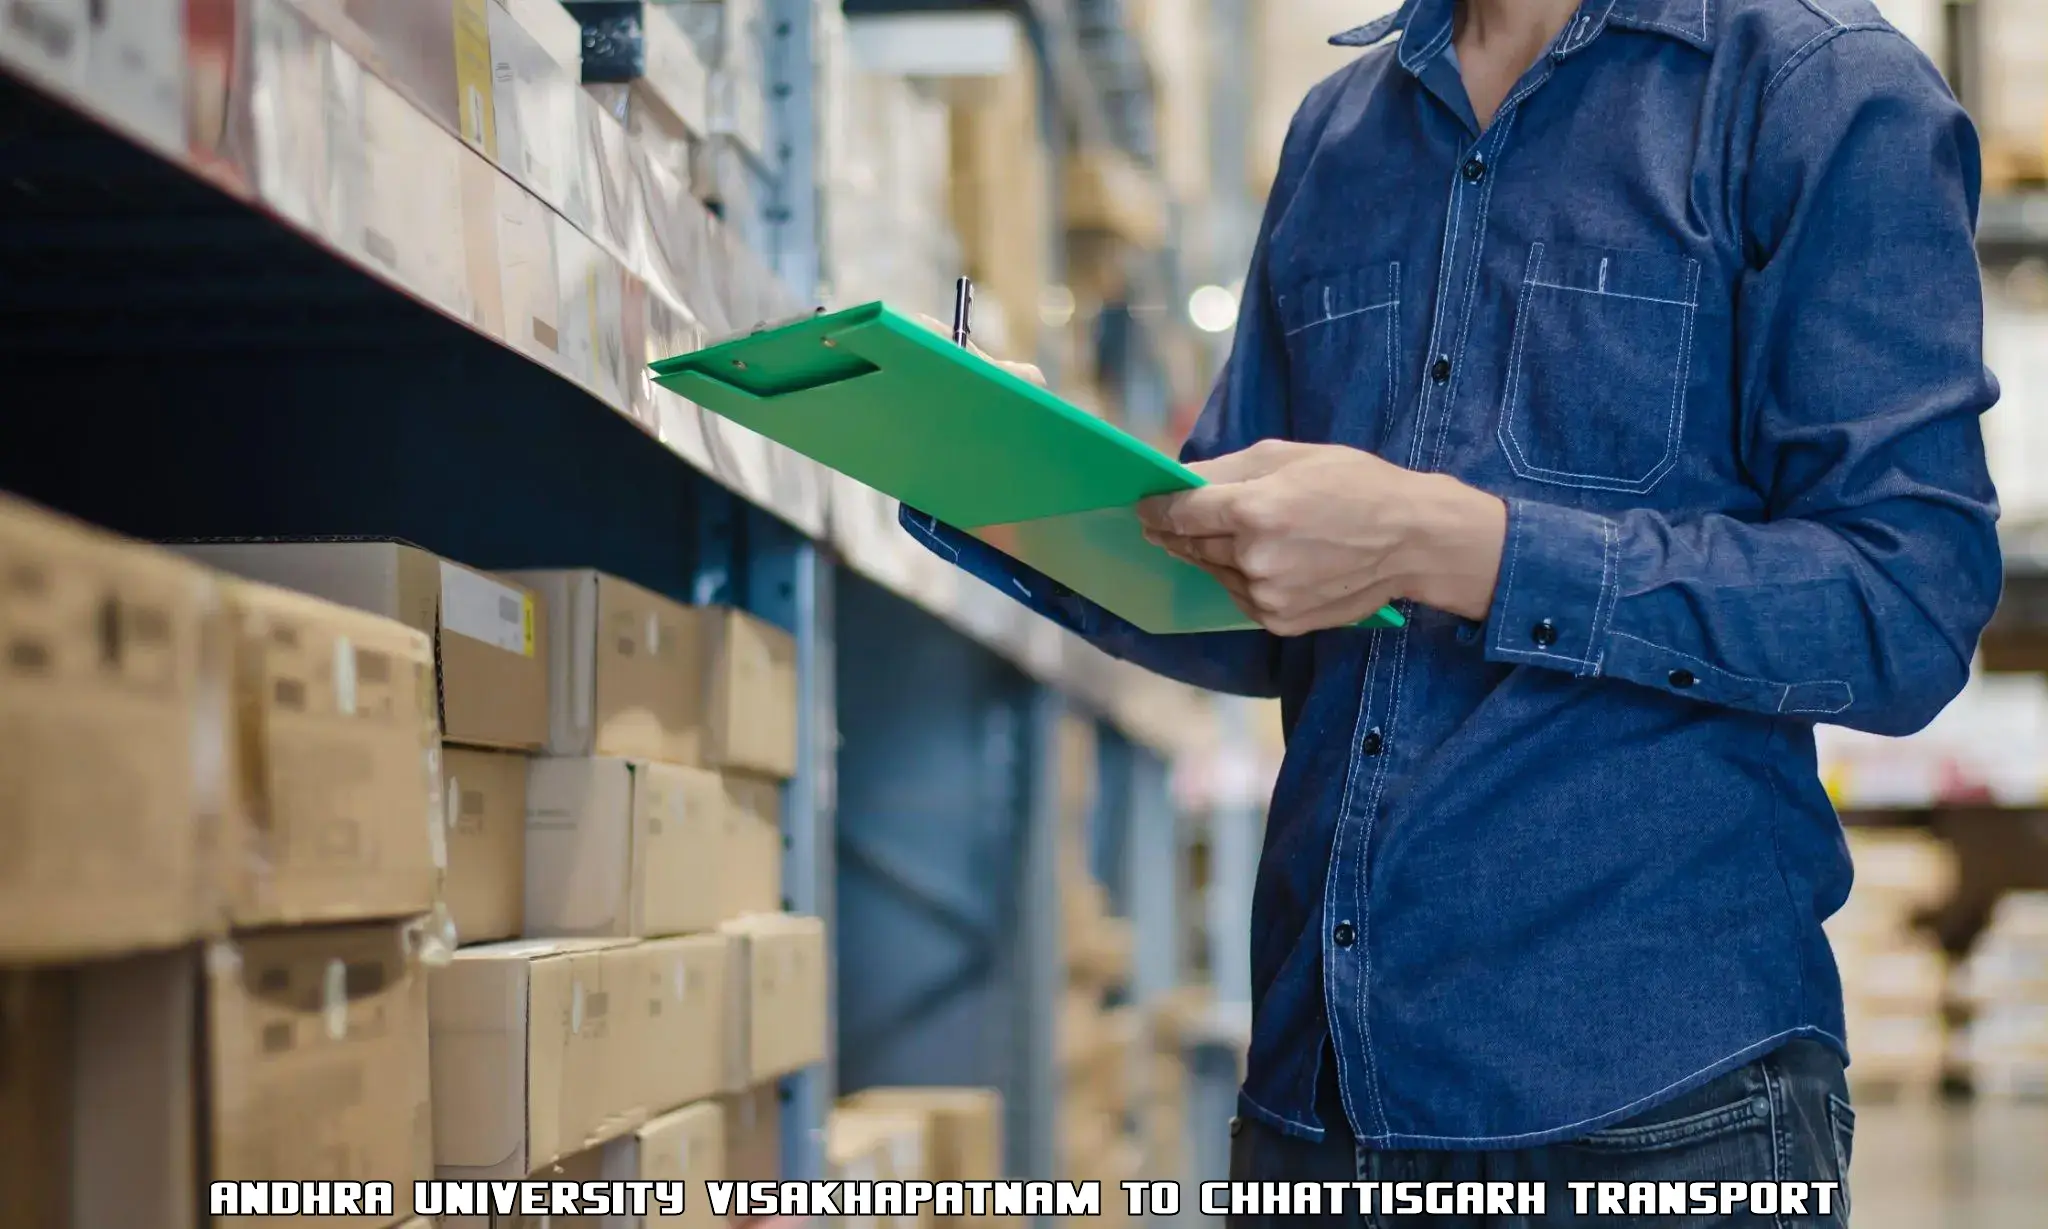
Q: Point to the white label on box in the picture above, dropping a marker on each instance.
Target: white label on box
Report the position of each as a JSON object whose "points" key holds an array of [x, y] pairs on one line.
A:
{"points": [[483, 609], [446, 822], [683, 1157], [653, 634], [681, 973], [334, 1000], [344, 677], [576, 1007]]}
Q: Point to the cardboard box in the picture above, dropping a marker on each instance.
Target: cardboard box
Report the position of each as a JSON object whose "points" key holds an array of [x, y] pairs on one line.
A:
{"points": [[529, 1058], [551, 26], [489, 635], [626, 670], [964, 1127], [484, 793], [97, 1081], [877, 1145], [751, 879], [680, 987], [622, 848], [753, 694], [585, 1166], [778, 1006], [753, 1134], [340, 784], [318, 1047], [685, 1146], [113, 721]]}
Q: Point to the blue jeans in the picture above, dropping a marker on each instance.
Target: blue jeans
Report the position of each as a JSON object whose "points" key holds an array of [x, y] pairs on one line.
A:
{"points": [[1782, 1119]]}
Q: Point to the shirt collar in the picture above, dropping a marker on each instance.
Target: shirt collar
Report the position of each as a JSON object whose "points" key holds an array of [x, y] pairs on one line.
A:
{"points": [[1425, 25]]}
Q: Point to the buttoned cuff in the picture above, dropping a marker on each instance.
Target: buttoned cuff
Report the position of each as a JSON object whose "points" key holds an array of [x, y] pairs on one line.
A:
{"points": [[1555, 595], [991, 566]]}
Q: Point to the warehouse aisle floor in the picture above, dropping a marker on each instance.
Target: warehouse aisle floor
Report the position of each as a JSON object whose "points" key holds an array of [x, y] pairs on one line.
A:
{"points": [[1950, 1166]]}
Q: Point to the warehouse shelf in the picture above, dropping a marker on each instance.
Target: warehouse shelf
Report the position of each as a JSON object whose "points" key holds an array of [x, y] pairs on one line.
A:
{"points": [[256, 281], [611, 259]]}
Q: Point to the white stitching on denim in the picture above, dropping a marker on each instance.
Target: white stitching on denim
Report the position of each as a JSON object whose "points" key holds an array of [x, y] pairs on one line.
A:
{"points": [[1739, 678], [1435, 45], [1848, 697], [1831, 19], [1393, 335], [1674, 424], [1507, 399], [1565, 1130], [1358, 721], [1797, 58], [1507, 593], [1379, 785], [1272, 1113], [1343, 315], [1603, 605], [1615, 294], [1436, 322], [1443, 425]]}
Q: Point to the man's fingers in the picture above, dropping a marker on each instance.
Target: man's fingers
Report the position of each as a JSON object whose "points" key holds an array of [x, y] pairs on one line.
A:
{"points": [[1204, 512], [1028, 372], [1220, 551], [1257, 461]]}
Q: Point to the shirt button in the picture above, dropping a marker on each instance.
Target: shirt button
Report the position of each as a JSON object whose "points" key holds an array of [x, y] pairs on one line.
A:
{"points": [[1544, 634], [1440, 370], [1681, 678], [1372, 741], [1345, 934], [1474, 170]]}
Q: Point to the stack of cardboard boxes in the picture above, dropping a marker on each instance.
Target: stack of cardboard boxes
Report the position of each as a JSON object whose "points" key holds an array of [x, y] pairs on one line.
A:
{"points": [[1162, 1113], [2003, 1050], [1894, 972], [254, 807], [998, 195], [221, 807], [909, 1134], [636, 1028]]}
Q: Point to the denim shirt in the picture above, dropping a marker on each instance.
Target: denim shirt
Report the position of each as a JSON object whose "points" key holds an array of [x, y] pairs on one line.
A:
{"points": [[1701, 304]]}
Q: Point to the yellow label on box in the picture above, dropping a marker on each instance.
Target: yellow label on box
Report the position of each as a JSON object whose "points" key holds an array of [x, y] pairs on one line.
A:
{"points": [[526, 625], [474, 100]]}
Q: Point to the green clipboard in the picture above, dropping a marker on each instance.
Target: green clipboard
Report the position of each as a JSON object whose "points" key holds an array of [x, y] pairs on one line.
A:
{"points": [[879, 397]]}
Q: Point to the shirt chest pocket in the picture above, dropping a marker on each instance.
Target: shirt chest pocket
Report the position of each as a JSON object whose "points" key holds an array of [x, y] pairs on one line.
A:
{"points": [[1597, 367], [1341, 330]]}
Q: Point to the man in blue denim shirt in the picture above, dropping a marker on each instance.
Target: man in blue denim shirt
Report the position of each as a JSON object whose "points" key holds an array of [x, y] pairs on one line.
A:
{"points": [[1647, 379]]}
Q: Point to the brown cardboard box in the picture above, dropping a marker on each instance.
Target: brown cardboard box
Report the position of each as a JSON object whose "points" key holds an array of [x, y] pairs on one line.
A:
{"points": [[97, 1080], [777, 1011], [685, 1146], [112, 727], [753, 694], [626, 669], [878, 1145], [529, 1058], [491, 635], [340, 788], [318, 1046], [753, 1134], [485, 884], [622, 848], [680, 1000], [751, 880], [585, 1166], [964, 1127]]}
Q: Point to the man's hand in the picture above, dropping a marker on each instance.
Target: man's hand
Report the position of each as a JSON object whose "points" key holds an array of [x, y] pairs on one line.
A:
{"points": [[1028, 372], [1310, 536]]}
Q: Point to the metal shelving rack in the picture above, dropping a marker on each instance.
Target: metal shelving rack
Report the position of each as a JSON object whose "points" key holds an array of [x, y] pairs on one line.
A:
{"points": [[204, 332]]}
